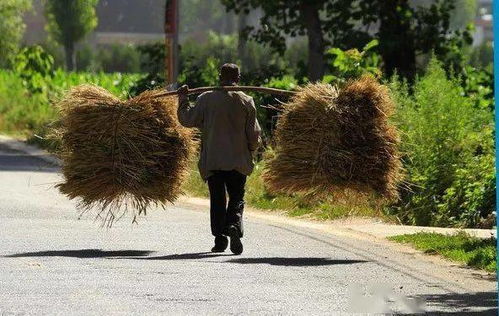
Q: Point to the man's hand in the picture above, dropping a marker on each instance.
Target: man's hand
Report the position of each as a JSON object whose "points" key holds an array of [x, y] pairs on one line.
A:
{"points": [[182, 91]]}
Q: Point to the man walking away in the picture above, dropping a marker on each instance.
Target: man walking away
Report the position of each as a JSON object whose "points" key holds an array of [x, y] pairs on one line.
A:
{"points": [[230, 133]]}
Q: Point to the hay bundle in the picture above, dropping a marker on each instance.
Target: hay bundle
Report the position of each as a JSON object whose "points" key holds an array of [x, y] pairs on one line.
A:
{"points": [[121, 156], [335, 141]]}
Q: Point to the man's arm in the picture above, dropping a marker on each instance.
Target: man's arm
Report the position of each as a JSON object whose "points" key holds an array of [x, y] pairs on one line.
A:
{"points": [[188, 116], [253, 129]]}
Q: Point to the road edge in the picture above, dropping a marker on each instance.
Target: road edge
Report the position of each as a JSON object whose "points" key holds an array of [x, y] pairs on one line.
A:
{"points": [[22, 146]]}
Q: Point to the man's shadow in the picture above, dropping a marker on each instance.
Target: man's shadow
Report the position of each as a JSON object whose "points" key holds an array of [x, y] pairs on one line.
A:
{"points": [[83, 253], [275, 261], [144, 255]]}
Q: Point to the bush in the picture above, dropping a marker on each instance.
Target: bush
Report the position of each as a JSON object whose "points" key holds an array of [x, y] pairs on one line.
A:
{"points": [[109, 58], [119, 58], [34, 66], [478, 84], [21, 110], [483, 55], [152, 62], [267, 117], [351, 64], [449, 153], [258, 63]]}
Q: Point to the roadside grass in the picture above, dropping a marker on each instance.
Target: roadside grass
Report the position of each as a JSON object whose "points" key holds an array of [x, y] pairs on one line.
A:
{"points": [[20, 112], [294, 205], [24, 113], [460, 247], [194, 185]]}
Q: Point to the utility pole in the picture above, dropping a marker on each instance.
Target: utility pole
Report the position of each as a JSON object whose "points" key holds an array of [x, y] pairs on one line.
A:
{"points": [[171, 40]]}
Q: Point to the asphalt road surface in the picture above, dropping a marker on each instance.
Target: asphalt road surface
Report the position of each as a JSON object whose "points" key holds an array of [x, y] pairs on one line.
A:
{"points": [[52, 262]]}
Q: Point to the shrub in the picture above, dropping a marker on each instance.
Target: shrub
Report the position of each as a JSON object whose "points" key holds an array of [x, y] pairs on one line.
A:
{"points": [[448, 152], [109, 58], [152, 62], [34, 66], [20, 110], [351, 64], [478, 84], [258, 63], [483, 55], [119, 58]]}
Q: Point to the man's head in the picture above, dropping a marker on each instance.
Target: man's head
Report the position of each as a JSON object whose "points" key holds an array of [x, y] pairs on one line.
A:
{"points": [[229, 74]]}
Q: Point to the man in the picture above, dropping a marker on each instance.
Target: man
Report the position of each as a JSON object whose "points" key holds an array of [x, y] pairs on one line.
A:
{"points": [[230, 133]]}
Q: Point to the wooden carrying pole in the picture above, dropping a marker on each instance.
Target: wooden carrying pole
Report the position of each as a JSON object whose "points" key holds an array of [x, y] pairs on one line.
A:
{"points": [[231, 88]]}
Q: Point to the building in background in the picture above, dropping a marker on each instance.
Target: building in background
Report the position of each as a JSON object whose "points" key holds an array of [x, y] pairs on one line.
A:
{"points": [[483, 23], [129, 22]]}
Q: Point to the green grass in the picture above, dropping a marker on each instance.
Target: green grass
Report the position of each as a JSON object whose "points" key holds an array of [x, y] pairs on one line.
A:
{"points": [[23, 113], [194, 185], [461, 247], [294, 205]]}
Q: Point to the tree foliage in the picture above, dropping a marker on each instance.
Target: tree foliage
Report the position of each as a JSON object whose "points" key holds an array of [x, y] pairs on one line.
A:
{"points": [[34, 67], [404, 31], [11, 27], [352, 63], [325, 23], [69, 21]]}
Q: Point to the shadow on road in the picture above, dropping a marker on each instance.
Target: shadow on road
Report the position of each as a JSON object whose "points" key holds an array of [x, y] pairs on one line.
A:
{"points": [[276, 261], [468, 303], [15, 161], [83, 253], [184, 256], [297, 262]]}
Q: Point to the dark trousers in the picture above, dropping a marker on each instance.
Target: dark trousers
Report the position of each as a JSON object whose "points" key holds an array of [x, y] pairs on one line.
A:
{"points": [[222, 215]]}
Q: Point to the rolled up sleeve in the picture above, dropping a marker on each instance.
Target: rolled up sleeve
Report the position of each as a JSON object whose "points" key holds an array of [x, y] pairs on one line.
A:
{"points": [[253, 129]]}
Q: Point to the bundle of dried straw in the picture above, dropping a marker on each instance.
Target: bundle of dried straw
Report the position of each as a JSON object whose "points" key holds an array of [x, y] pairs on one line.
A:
{"points": [[121, 156], [331, 141]]}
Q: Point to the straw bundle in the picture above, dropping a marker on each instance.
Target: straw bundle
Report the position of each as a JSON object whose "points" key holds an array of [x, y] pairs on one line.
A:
{"points": [[335, 141], [121, 156]]}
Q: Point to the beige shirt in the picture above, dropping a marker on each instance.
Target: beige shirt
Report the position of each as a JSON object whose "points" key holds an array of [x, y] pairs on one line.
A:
{"points": [[229, 130]]}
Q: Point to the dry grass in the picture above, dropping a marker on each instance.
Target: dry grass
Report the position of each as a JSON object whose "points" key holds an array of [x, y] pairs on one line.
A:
{"points": [[119, 156], [336, 142]]}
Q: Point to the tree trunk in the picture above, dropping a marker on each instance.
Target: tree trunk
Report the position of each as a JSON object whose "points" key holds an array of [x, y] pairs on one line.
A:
{"points": [[70, 56], [311, 20], [396, 41], [229, 23], [241, 42]]}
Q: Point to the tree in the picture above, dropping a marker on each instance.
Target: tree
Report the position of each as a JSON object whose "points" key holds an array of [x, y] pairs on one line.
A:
{"points": [[198, 17], [11, 27], [404, 31], [324, 22], [69, 21]]}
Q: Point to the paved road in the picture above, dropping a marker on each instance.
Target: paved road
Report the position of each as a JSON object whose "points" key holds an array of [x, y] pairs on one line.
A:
{"points": [[53, 263]]}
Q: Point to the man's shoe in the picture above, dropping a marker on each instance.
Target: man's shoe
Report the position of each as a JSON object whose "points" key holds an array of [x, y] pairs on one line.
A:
{"points": [[235, 240], [221, 243]]}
